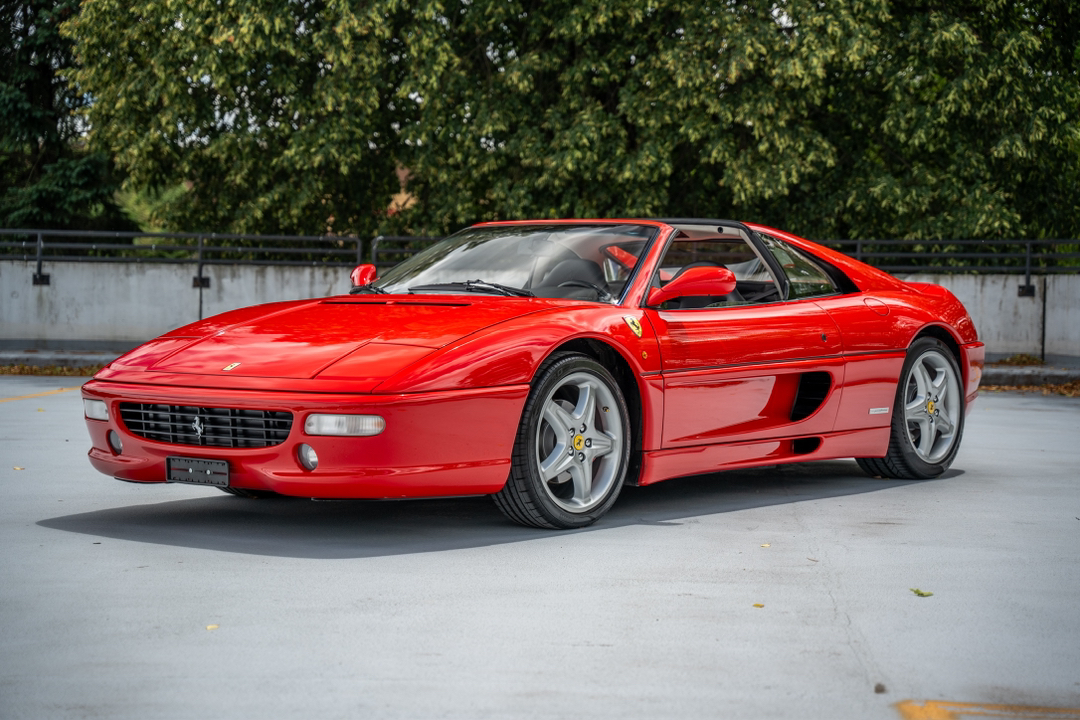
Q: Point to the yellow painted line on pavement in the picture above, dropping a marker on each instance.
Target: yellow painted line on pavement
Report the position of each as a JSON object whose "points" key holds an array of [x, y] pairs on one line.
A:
{"points": [[945, 710], [40, 394]]}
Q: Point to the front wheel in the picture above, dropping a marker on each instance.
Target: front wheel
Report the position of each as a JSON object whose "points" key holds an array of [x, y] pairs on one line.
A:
{"points": [[928, 416], [572, 447]]}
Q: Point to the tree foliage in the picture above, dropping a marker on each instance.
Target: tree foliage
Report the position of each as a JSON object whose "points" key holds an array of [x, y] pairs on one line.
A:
{"points": [[47, 177], [865, 118], [275, 113], [861, 119]]}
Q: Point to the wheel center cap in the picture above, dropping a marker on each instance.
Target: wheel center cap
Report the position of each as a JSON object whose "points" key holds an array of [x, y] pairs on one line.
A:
{"points": [[579, 442], [930, 407]]}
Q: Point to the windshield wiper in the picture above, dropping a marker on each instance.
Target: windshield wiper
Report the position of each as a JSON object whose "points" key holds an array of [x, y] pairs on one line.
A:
{"points": [[363, 289], [477, 286]]}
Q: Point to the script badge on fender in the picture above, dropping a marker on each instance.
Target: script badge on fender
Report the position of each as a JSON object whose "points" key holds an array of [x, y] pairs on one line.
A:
{"points": [[633, 323], [227, 368]]}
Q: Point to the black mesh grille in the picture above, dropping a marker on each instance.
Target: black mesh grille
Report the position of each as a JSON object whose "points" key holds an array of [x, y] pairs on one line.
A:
{"points": [[206, 426]]}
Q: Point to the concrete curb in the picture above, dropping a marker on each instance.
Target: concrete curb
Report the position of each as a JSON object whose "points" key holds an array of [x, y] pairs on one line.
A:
{"points": [[45, 358], [1028, 375]]}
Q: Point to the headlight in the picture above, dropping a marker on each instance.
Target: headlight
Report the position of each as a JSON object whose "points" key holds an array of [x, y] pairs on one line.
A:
{"points": [[350, 425], [95, 409]]}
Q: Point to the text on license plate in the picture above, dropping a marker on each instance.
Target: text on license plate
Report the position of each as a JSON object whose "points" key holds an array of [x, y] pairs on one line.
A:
{"points": [[197, 471]]}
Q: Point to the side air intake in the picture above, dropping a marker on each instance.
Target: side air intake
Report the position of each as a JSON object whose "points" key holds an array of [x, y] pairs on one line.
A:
{"points": [[813, 389]]}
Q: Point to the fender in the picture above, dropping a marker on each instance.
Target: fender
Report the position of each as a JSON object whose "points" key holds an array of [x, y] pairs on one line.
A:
{"points": [[510, 352]]}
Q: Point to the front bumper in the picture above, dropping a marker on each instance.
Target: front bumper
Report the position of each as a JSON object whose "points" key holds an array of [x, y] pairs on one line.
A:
{"points": [[435, 444], [974, 355]]}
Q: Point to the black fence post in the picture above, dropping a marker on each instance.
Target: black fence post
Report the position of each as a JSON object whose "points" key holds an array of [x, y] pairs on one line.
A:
{"points": [[40, 278], [199, 281], [1027, 289]]}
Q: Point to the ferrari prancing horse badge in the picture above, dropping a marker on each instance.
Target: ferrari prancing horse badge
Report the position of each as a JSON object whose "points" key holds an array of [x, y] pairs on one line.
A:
{"points": [[633, 323]]}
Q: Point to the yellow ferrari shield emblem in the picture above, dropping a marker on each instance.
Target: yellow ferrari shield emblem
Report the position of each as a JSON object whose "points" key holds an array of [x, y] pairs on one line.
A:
{"points": [[633, 323], [930, 407], [579, 442]]}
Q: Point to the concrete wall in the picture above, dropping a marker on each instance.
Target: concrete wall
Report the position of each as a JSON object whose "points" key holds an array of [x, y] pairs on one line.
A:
{"points": [[1062, 315], [1009, 324], [118, 305]]}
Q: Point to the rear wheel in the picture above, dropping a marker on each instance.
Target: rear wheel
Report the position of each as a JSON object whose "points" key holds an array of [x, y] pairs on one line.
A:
{"points": [[928, 416], [572, 447]]}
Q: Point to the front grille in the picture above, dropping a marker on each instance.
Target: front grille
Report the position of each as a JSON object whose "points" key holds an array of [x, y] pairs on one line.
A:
{"points": [[207, 426]]}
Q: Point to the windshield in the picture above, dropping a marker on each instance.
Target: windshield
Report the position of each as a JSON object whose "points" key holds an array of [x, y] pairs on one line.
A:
{"points": [[584, 262]]}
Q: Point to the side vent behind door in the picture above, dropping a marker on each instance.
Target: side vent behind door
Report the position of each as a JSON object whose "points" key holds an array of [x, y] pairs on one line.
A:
{"points": [[813, 389]]}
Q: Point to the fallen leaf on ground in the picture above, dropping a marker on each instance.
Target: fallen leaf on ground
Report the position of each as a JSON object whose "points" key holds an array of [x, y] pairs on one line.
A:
{"points": [[18, 467], [759, 605], [766, 545], [212, 627], [921, 593], [812, 559]]}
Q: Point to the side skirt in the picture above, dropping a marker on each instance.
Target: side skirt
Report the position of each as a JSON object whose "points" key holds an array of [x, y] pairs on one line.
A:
{"points": [[660, 465]]}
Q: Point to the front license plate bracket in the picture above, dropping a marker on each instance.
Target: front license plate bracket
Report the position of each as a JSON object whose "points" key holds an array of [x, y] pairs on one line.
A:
{"points": [[197, 471]]}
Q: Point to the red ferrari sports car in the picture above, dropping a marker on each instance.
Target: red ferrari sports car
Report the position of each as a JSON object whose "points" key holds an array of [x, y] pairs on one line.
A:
{"points": [[547, 364]]}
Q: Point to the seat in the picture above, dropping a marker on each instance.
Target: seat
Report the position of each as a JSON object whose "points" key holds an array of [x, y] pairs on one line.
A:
{"points": [[575, 269], [558, 282]]}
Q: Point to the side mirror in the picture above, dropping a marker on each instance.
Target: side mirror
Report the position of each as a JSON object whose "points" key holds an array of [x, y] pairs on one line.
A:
{"points": [[362, 275], [694, 282]]}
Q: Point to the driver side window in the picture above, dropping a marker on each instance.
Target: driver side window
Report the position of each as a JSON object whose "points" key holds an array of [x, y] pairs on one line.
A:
{"points": [[754, 282], [805, 277]]}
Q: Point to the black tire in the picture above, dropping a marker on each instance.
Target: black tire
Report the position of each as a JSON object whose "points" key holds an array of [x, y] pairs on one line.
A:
{"points": [[927, 421], [251, 494], [554, 471]]}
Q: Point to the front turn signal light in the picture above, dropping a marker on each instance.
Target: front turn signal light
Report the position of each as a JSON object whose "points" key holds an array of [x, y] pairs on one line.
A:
{"points": [[346, 425], [95, 409]]}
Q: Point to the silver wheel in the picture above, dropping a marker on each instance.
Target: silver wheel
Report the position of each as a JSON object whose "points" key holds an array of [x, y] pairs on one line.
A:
{"points": [[579, 442], [932, 406], [572, 449]]}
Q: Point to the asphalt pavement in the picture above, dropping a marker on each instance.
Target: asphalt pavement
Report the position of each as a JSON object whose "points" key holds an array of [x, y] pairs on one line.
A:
{"points": [[772, 593]]}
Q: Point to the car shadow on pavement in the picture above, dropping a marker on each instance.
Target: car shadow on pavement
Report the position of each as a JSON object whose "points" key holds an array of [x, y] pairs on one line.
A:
{"points": [[362, 528]]}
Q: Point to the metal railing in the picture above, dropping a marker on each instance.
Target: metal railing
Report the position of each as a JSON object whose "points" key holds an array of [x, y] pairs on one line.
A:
{"points": [[894, 256], [1040, 257], [207, 248], [961, 256]]}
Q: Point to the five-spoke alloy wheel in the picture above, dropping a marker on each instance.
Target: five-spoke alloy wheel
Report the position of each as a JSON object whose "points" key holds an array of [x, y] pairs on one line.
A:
{"points": [[928, 416], [572, 447]]}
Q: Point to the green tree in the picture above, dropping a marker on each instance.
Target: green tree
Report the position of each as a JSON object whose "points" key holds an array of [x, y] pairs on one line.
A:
{"points": [[861, 119], [275, 114], [48, 179]]}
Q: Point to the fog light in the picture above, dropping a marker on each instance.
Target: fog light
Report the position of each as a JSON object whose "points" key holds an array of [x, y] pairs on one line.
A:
{"points": [[95, 409], [307, 456], [114, 442], [352, 425]]}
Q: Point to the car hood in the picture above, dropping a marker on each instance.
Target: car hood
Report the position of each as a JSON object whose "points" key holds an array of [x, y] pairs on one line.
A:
{"points": [[361, 338]]}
